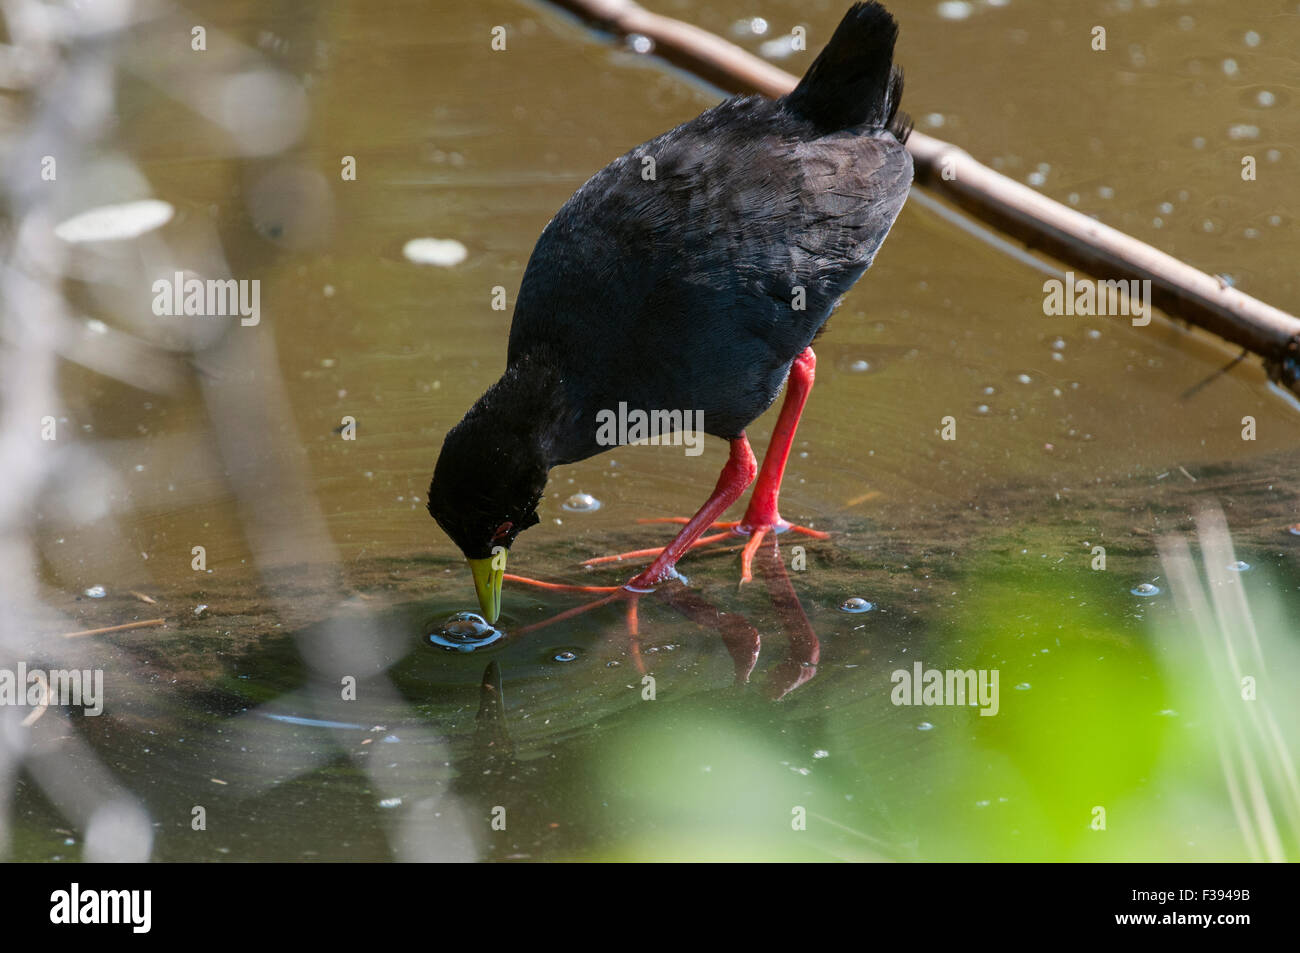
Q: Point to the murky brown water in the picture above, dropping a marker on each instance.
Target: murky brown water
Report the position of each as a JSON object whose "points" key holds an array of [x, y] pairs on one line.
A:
{"points": [[1071, 432]]}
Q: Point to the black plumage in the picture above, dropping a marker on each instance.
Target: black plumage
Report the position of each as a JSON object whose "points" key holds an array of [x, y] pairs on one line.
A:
{"points": [[670, 279]]}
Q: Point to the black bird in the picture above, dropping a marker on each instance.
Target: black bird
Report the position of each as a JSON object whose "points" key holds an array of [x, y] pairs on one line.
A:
{"points": [[691, 273]]}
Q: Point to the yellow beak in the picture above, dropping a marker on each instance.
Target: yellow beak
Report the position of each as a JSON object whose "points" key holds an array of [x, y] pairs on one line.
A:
{"points": [[487, 583]]}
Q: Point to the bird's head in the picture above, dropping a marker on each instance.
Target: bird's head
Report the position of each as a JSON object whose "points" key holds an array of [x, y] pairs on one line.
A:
{"points": [[485, 491]]}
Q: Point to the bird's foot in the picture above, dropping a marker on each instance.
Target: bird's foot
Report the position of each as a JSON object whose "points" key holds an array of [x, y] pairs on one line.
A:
{"points": [[752, 533], [607, 594]]}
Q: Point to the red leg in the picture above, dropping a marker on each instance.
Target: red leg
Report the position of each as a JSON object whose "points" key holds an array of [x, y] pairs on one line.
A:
{"points": [[762, 516], [736, 476], [762, 511]]}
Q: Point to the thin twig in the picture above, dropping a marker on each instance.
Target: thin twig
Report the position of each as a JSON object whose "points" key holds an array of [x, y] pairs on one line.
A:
{"points": [[143, 624]]}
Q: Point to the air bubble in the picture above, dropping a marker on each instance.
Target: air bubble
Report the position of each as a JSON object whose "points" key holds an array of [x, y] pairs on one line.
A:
{"points": [[464, 632], [581, 503]]}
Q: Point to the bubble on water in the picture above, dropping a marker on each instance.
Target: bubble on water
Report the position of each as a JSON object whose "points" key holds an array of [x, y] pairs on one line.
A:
{"points": [[640, 43], [1251, 38], [464, 632], [859, 366], [565, 655], [1145, 589], [925, 726], [1239, 566], [983, 803], [96, 592], [1023, 687], [581, 503], [200, 612], [856, 604], [1265, 98], [391, 802], [954, 10], [1024, 379], [821, 753], [749, 26], [444, 252], [615, 663]]}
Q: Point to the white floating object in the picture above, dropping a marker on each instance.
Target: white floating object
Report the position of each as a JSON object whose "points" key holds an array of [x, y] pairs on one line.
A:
{"points": [[954, 10], [116, 222], [435, 251]]}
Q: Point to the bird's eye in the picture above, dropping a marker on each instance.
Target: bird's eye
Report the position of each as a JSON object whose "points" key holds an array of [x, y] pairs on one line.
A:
{"points": [[502, 531]]}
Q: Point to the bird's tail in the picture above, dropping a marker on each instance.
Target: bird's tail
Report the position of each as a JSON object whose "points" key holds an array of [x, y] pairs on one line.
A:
{"points": [[854, 81]]}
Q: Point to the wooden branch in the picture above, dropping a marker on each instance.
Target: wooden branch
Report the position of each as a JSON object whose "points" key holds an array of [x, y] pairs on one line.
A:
{"points": [[1177, 288]]}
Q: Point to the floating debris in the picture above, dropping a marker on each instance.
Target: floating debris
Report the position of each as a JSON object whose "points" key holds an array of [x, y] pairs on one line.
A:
{"points": [[312, 722]]}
